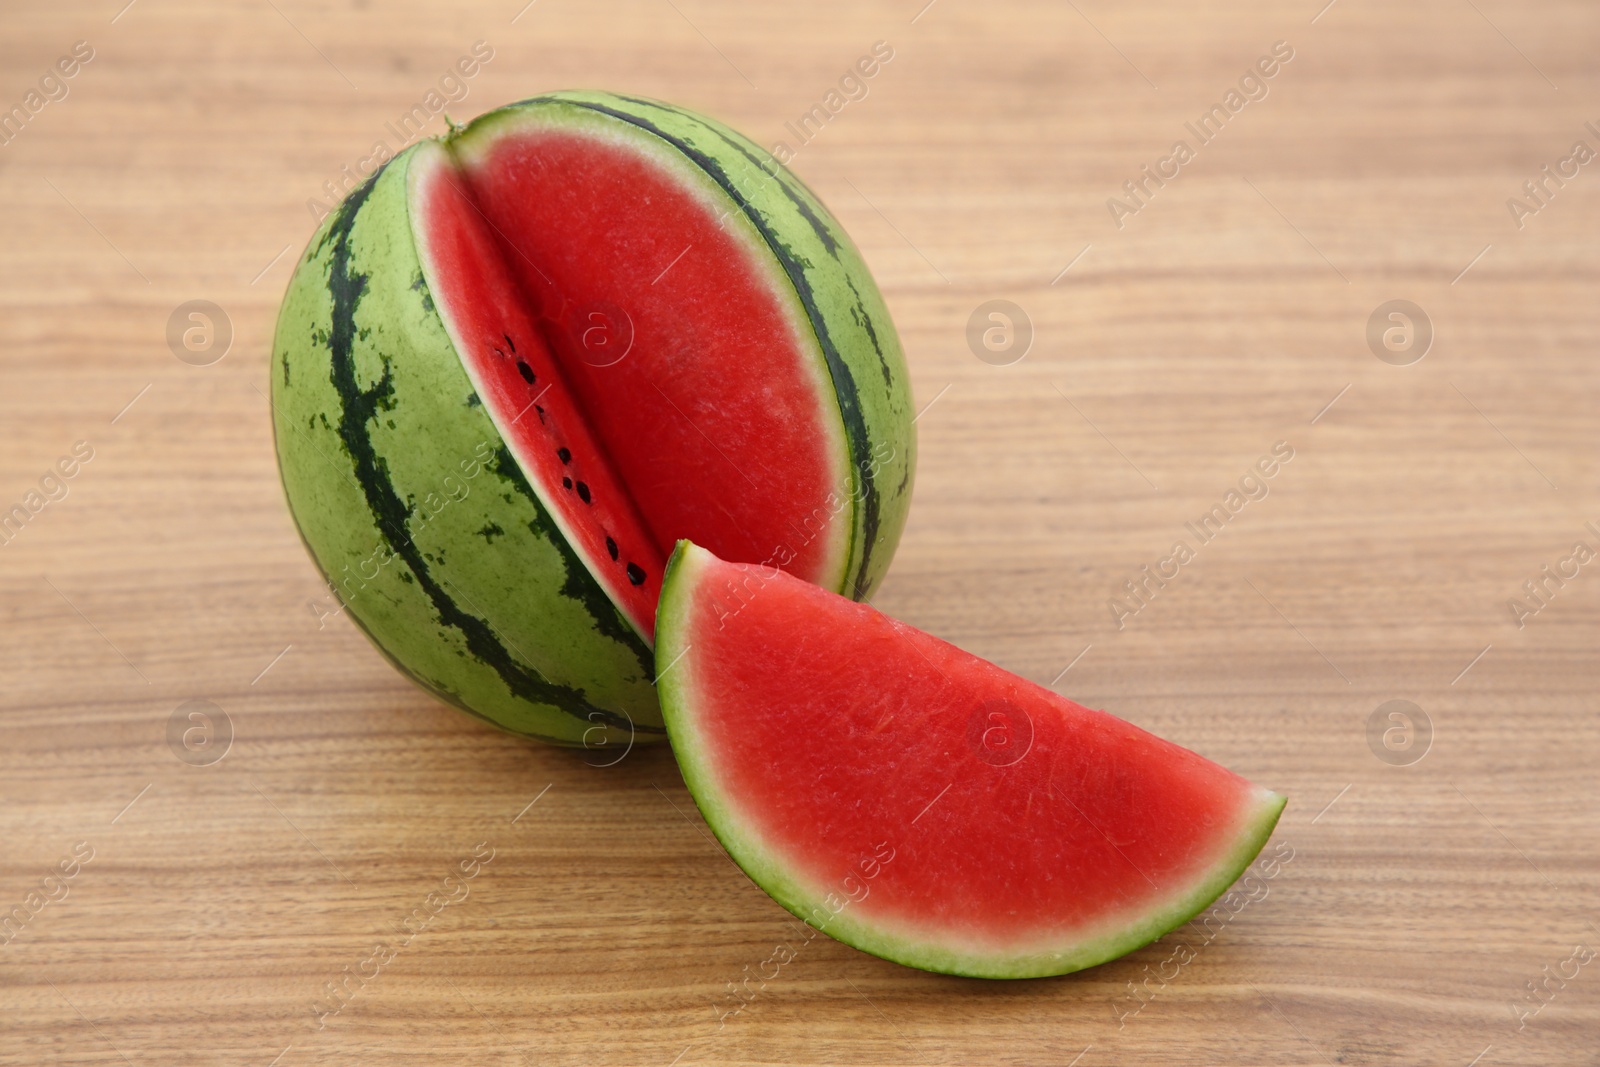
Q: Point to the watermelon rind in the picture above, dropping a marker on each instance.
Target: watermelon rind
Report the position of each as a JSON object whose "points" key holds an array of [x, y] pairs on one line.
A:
{"points": [[410, 502], [931, 951]]}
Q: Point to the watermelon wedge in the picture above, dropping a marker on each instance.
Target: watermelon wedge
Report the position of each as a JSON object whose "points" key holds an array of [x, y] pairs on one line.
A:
{"points": [[522, 360], [922, 804]]}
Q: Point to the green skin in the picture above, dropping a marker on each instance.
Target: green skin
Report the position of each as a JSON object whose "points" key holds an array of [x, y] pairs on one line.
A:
{"points": [[823, 909], [411, 504]]}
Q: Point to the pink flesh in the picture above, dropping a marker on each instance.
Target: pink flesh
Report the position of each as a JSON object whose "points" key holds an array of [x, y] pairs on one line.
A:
{"points": [[712, 424], [521, 381], [836, 733]]}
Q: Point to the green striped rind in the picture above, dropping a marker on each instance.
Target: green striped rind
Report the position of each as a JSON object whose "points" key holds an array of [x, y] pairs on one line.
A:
{"points": [[678, 687], [409, 501], [847, 312]]}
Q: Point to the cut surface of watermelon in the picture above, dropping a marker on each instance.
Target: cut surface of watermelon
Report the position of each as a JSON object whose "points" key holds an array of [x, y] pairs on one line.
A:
{"points": [[925, 805], [638, 346]]}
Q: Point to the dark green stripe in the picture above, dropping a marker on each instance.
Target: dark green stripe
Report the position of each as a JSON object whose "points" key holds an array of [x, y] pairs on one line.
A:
{"points": [[358, 408], [580, 584], [859, 313]]}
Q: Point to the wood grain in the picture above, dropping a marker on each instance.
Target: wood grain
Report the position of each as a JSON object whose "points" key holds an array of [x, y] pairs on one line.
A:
{"points": [[1224, 316]]}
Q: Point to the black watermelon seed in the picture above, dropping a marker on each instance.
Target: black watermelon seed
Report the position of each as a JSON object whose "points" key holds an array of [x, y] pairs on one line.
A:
{"points": [[509, 341], [635, 574], [611, 547], [564, 454], [527, 372], [566, 483], [583, 492]]}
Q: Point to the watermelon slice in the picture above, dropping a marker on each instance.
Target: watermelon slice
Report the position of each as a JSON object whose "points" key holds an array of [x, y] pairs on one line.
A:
{"points": [[922, 804]]}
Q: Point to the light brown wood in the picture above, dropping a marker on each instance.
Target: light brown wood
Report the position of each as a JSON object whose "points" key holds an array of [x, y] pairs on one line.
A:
{"points": [[1227, 314]]}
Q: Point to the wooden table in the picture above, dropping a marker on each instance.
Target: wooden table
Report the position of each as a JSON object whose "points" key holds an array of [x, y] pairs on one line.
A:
{"points": [[1229, 312]]}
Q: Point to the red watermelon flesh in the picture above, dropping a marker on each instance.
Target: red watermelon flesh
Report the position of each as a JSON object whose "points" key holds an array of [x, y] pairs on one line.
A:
{"points": [[665, 382], [923, 804], [519, 379]]}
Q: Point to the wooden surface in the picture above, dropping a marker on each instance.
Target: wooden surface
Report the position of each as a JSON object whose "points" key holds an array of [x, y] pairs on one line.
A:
{"points": [[1222, 317]]}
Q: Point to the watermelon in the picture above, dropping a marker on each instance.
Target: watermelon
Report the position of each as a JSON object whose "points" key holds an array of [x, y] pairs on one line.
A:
{"points": [[521, 361], [925, 805]]}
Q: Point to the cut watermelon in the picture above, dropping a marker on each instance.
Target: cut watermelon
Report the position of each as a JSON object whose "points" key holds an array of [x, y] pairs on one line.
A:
{"points": [[922, 804], [522, 360]]}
